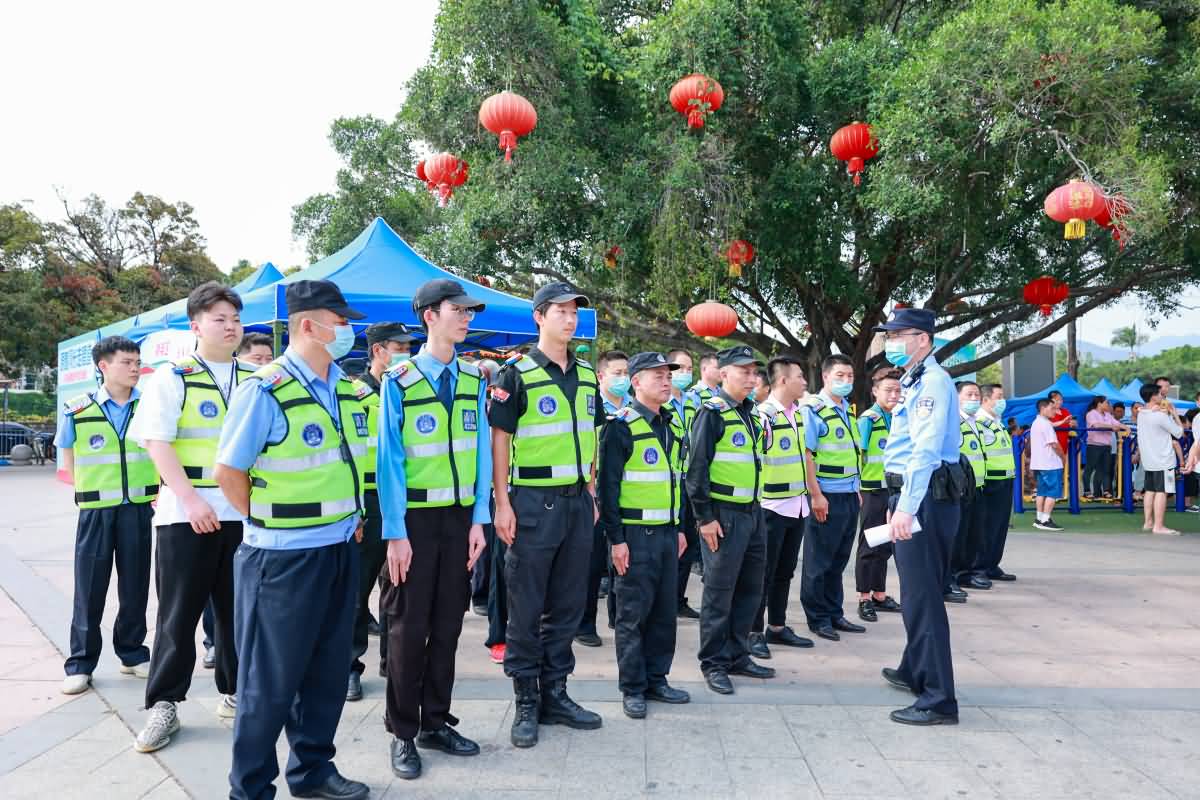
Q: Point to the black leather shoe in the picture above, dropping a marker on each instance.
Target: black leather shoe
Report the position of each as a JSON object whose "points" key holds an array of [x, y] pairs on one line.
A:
{"points": [[827, 632], [866, 611], [758, 646], [718, 681], [480, 609], [210, 658], [1001, 575], [383, 670], [558, 708], [687, 612], [354, 687], [406, 761], [634, 706], [845, 625], [604, 589], [449, 741], [668, 694], [589, 639], [787, 636], [953, 594], [893, 677], [336, 787], [752, 670], [886, 604], [922, 716], [373, 627], [525, 712], [976, 582]]}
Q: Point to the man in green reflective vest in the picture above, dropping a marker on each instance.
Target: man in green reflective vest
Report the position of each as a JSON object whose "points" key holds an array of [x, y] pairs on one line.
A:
{"points": [[1000, 463], [870, 563], [710, 381], [545, 412], [641, 495], [435, 466], [115, 482], [388, 344], [685, 411], [724, 484], [968, 542]]}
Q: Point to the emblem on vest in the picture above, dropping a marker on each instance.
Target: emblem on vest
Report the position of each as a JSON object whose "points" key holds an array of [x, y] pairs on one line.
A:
{"points": [[882, 443], [209, 409], [650, 456], [785, 443], [548, 405], [360, 423], [313, 435], [426, 424], [974, 445], [96, 442], [591, 405], [470, 420], [840, 433], [739, 439]]}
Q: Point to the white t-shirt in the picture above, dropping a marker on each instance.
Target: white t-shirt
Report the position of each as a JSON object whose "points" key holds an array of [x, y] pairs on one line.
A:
{"points": [[1155, 433], [1041, 437], [157, 418]]}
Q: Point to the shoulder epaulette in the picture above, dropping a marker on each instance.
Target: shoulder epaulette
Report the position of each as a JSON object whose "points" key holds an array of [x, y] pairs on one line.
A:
{"points": [[625, 414], [271, 377], [398, 370], [525, 364], [716, 404], [186, 366], [361, 390], [468, 368], [77, 404], [514, 358], [245, 367], [583, 363], [768, 410], [813, 401], [871, 413]]}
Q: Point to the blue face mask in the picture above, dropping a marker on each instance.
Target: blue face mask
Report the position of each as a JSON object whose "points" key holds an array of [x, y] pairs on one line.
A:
{"points": [[1001, 404], [343, 340], [841, 388], [397, 358], [970, 406], [681, 380], [752, 394], [896, 352], [619, 387]]}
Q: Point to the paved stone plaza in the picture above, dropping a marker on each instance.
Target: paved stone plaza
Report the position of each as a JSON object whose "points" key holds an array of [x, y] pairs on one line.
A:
{"points": [[1080, 680]]}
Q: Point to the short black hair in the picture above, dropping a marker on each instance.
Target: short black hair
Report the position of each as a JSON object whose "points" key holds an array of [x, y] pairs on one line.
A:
{"points": [[1163, 378], [207, 295], [778, 365], [1052, 393], [1043, 402], [1191, 415], [611, 355], [885, 374], [833, 360], [1148, 391], [1118, 405], [255, 340], [988, 389], [958, 387], [707, 358], [109, 346], [677, 352]]}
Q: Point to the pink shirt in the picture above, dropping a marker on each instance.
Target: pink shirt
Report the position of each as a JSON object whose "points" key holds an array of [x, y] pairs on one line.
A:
{"points": [[1041, 439], [1095, 418], [794, 507]]}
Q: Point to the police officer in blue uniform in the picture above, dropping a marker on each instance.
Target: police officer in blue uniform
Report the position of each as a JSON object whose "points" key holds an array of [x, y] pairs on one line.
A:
{"points": [[922, 472], [295, 588]]}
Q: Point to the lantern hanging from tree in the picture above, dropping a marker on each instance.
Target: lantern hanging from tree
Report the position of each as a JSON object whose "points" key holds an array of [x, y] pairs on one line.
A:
{"points": [[1110, 218], [443, 170], [695, 96], [421, 176], [460, 175], [711, 318], [739, 254], [611, 255], [854, 144], [508, 115], [1074, 204], [1046, 292]]}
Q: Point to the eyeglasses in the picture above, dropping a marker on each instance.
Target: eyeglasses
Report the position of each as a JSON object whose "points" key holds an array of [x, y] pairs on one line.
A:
{"points": [[890, 336], [462, 311]]}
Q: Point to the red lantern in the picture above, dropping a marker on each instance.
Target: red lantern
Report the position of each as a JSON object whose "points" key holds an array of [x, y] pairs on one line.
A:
{"points": [[443, 170], [695, 96], [1110, 217], [1046, 293], [509, 116], [739, 254], [611, 255], [711, 318], [854, 144], [1073, 204], [421, 176]]}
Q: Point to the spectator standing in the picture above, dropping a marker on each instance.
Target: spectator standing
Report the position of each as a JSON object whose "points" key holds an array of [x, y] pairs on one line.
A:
{"points": [[1046, 461], [1101, 429], [1158, 425]]}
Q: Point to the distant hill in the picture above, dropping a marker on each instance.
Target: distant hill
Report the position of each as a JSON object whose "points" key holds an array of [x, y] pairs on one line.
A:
{"points": [[1156, 346], [1101, 354]]}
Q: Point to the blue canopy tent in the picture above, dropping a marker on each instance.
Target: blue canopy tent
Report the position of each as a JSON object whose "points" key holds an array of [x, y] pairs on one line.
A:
{"points": [[378, 272], [1132, 388], [1106, 388], [1075, 399], [174, 315]]}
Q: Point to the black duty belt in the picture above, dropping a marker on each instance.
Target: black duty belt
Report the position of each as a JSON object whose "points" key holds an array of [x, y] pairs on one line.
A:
{"points": [[570, 490], [893, 480], [744, 508]]}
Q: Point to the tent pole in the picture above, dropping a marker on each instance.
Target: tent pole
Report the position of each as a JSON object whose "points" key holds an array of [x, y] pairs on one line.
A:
{"points": [[277, 334]]}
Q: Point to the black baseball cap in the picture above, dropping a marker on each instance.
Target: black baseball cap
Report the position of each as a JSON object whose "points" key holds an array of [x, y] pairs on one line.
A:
{"points": [[559, 292], [921, 319], [388, 332], [643, 361], [435, 291], [317, 295], [738, 356]]}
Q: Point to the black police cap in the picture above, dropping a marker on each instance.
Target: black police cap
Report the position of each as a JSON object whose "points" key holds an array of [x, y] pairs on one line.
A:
{"points": [[559, 292], [921, 319], [738, 356], [317, 295], [643, 361], [388, 332], [435, 291]]}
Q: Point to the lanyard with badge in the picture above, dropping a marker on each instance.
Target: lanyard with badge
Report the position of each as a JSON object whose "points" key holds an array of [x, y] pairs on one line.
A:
{"points": [[343, 445], [227, 391]]}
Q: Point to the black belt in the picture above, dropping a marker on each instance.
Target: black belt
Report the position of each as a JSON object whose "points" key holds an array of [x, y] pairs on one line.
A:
{"points": [[744, 508], [893, 480], [570, 490]]}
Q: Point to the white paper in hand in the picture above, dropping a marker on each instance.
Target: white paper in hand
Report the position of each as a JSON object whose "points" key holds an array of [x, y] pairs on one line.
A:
{"points": [[881, 534]]}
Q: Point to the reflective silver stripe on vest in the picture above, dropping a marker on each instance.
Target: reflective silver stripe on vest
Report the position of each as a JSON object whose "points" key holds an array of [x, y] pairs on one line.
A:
{"points": [[739, 457], [440, 448], [328, 508], [874, 459], [973, 456], [91, 461], [656, 514], [206, 474], [552, 428], [443, 495], [646, 477], [739, 493], [372, 441], [109, 494], [782, 461], [142, 491], [198, 433], [320, 459], [824, 445], [791, 487]]}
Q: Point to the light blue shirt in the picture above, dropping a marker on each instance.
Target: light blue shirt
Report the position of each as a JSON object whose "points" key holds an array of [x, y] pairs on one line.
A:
{"points": [[609, 408], [865, 424], [253, 421], [116, 414], [814, 429], [389, 472], [925, 432]]}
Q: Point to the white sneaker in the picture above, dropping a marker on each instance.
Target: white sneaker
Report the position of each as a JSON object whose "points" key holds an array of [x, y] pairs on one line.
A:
{"points": [[137, 670], [76, 684], [163, 722], [227, 708]]}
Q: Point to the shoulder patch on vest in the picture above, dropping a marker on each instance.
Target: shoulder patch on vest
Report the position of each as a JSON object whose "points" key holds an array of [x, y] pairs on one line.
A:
{"points": [[625, 414], [407, 374], [75, 405], [716, 404], [514, 358], [468, 368], [186, 366], [872, 414], [524, 363], [583, 363], [361, 390], [813, 401], [246, 368], [271, 377]]}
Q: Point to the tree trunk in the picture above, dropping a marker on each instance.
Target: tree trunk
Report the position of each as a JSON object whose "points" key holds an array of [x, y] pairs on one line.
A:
{"points": [[1072, 345]]}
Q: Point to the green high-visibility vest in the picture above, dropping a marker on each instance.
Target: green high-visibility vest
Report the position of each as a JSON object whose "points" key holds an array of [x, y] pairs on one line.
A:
{"points": [[555, 441], [871, 471], [836, 455], [109, 469], [370, 401], [652, 478], [201, 418], [734, 472], [999, 461], [314, 476], [783, 470], [440, 447], [971, 446]]}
